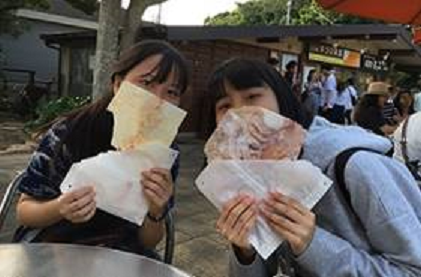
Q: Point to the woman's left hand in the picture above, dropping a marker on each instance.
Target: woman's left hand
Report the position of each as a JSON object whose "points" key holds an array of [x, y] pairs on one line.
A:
{"points": [[158, 189], [291, 220]]}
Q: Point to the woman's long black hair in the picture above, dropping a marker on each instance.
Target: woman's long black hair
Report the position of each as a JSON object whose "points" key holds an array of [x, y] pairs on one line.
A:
{"points": [[366, 102], [397, 102], [244, 74], [90, 128]]}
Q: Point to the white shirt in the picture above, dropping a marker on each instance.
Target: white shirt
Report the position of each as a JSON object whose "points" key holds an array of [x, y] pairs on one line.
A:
{"points": [[351, 93], [329, 91], [343, 99], [417, 102]]}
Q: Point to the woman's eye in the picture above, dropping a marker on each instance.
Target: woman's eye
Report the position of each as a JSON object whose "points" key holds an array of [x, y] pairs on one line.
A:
{"points": [[223, 107], [174, 93], [146, 82], [253, 96]]}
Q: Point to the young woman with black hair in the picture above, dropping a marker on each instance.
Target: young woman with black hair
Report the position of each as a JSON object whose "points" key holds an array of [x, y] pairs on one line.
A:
{"points": [[378, 235], [404, 103], [47, 215]]}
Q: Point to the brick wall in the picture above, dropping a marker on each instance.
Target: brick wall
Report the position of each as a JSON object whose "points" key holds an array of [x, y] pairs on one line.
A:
{"points": [[203, 56]]}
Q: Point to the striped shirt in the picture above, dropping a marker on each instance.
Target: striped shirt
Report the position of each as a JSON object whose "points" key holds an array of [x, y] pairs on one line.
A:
{"points": [[389, 111]]}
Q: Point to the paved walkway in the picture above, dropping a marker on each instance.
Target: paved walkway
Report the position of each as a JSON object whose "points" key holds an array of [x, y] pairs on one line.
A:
{"points": [[199, 250]]}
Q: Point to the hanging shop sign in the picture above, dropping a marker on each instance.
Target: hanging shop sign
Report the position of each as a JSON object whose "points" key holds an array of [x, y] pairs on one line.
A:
{"points": [[335, 55], [374, 63]]}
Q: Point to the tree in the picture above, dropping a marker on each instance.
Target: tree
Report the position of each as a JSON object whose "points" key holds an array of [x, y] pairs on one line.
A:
{"points": [[273, 12], [254, 12], [133, 19], [108, 45]]}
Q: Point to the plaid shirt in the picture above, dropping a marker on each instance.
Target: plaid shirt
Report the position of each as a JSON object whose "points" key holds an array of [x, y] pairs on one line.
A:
{"points": [[41, 180]]}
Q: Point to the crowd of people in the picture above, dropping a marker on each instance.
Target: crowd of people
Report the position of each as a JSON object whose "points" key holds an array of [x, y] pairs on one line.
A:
{"points": [[380, 108], [371, 229]]}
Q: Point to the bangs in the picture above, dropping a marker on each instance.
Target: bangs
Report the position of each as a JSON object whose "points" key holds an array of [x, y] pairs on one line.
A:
{"points": [[243, 74], [240, 74], [167, 64], [171, 60]]}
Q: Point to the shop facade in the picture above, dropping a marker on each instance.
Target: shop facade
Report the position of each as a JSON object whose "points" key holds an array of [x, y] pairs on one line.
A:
{"points": [[362, 52]]}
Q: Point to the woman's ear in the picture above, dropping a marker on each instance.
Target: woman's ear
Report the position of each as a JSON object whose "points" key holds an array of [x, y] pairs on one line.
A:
{"points": [[116, 84]]}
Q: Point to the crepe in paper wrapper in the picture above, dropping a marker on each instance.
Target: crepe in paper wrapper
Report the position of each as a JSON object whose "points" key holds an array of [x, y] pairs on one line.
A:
{"points": [[225, 179], [141, 117], [116, 176], [254, 133]]}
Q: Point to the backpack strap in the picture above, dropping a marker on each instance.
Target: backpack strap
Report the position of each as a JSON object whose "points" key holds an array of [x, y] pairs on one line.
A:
{"points": [[341, 161]]}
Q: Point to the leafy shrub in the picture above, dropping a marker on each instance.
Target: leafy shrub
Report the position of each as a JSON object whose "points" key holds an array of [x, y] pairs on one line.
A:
{"points": [[48, 111]]}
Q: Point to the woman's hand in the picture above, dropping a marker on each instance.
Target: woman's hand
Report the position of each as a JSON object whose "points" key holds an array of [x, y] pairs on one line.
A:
{"points": [[291, 220], [158, 188], [78, 206], [237, 218]]}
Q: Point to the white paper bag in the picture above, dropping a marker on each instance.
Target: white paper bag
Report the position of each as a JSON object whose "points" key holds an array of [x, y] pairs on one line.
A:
{"points": [[141, 117], [224, 179], [116, 177]]}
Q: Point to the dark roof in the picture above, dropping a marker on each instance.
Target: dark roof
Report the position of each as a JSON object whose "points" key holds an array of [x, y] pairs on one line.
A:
{"points": [[268, 34], [279, 32], [61, 7]]}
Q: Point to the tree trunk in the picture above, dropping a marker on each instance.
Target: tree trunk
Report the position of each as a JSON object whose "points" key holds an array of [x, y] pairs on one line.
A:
{"points": [[134, 19], [106, 45]]}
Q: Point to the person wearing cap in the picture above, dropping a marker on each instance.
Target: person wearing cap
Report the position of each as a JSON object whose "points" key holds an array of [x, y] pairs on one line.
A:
{"points": [[407, 144], [369, 111]]}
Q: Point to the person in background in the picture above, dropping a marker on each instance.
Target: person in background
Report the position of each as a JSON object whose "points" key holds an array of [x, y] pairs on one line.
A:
{"points": [[407, 144], [329, 91], [291, 73], [312, 93], [389, 110], [404, 103], [417, 96], [274, 62], [351, 101], [341, 102], [369, 110], [417, 101]]}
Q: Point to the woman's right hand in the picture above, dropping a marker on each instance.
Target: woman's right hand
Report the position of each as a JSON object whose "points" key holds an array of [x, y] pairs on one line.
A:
{"points": [[79, 205], [238, 217]]}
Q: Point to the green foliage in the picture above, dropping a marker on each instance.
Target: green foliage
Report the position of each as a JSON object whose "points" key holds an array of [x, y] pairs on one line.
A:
{"points": [[48, 111], [253, 12], [311, 13], [407, 80], [273, 12], [9, 22]]}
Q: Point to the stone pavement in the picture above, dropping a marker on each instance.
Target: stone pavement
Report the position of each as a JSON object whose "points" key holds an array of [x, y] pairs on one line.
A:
{"points": [[199, 250]]}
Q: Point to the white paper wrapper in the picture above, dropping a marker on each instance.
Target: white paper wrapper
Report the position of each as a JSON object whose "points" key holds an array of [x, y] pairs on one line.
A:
{"points": [[254, 133], [224, 179], [140, 117], [116, 177]]}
